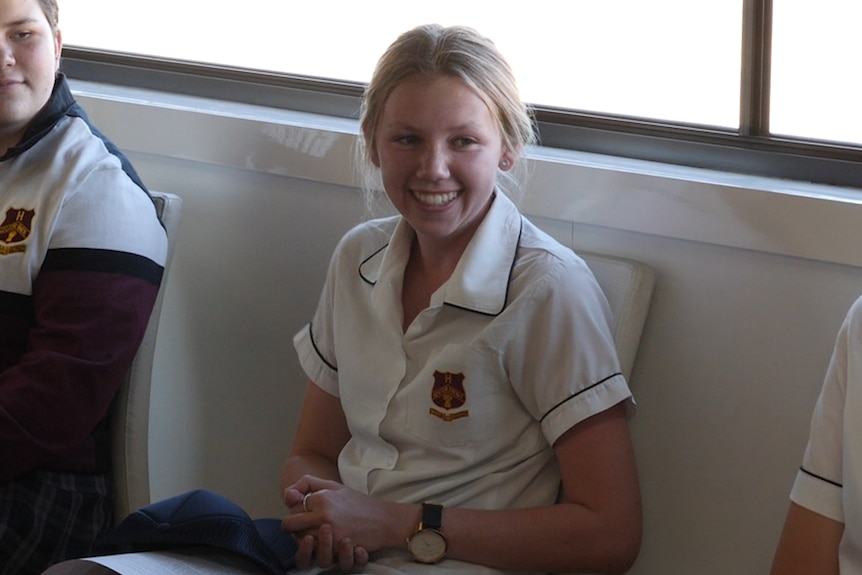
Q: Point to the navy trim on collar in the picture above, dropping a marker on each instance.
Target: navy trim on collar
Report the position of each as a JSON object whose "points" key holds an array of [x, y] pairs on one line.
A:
{"points": [[371, 279], [505, 302]]}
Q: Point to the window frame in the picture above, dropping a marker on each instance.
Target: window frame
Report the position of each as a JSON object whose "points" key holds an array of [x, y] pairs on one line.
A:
{"points": [[750, 149]]}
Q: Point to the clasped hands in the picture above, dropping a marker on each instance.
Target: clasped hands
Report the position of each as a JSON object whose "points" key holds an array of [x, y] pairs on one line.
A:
{"points": [[333, 525]]}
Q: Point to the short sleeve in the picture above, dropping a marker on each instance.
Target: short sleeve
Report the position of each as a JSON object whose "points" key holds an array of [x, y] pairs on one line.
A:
{"points": [[569, 369], [314, 343], [819, 482]]}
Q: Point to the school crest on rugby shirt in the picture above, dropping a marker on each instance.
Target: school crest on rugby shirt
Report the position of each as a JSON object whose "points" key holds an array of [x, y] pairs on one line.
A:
{"points": [[15, 229], [448, 393]]}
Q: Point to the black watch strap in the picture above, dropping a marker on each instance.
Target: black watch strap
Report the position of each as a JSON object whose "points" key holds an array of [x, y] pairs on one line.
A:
{"points": [[432, 516]]}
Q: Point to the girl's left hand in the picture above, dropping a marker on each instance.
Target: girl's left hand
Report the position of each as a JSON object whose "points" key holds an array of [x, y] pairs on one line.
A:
{"points": [[333, 523]]}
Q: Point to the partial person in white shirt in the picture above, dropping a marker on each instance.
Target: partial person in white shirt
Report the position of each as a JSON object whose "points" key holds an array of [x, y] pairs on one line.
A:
{"points": [[822, 532]]}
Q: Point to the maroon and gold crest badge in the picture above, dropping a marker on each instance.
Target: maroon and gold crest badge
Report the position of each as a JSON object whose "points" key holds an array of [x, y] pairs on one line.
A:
{"points": [[448, 394], [15, 229]]}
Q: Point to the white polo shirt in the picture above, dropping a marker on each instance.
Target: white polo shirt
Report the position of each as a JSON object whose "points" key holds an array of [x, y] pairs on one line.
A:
{"points": [[830, 479], [462, 408]]}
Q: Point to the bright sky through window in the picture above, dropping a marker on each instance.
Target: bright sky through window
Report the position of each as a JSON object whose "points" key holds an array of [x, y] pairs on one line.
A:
{"points": [[674, 60]]}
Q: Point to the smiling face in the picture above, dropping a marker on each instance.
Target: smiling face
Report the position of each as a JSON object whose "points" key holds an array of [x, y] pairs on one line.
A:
{"points": [[29, 54], [439, 149]]}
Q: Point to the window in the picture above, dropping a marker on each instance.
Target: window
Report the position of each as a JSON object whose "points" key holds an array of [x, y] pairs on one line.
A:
{"points": [[713, 83], [669, 59], [815, 78]]}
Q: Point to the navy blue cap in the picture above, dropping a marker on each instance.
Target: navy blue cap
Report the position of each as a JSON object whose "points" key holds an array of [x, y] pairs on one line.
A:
{"points": [[203, 518]]}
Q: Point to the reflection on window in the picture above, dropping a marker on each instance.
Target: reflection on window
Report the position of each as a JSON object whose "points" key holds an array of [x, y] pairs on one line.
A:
{"points": [[673, 60], [816, 88]]}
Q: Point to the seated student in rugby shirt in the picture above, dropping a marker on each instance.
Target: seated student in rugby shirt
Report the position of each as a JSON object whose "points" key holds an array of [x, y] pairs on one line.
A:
{"points": [[82, 254]]}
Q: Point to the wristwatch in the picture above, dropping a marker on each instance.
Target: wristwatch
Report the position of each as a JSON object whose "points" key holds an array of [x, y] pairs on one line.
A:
{"points": [[428, 545]]}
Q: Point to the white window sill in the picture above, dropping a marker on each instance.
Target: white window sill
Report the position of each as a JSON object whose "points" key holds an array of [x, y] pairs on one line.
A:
{"points": [[772, 215]]}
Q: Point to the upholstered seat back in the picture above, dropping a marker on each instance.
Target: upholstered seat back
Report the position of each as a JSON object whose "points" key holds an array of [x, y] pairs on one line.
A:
{"points": [[131, 409], [628, 286]]}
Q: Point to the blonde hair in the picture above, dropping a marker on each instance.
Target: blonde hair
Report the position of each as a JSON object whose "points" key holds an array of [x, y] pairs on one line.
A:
{"points": [[433, 50]]}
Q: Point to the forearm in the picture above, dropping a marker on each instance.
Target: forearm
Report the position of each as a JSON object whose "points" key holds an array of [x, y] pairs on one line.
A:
{"points": [[595, 528], [560, 538], [557, 538], [79, 347]]}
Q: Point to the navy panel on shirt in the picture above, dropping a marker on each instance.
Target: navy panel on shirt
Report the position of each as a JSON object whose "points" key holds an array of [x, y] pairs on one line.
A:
{"points": [[108, 261]]}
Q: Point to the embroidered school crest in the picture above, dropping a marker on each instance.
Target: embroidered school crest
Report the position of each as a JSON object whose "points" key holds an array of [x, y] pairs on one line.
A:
{"points": [[15, 229], [448, 393]]}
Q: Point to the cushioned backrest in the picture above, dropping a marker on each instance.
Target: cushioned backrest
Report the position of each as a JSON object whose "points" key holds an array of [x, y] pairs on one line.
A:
{"points": [[628, 287], [131, 409]]}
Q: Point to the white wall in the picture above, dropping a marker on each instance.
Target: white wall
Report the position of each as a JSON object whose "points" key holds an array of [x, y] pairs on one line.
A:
{"points": [[753, 279]]}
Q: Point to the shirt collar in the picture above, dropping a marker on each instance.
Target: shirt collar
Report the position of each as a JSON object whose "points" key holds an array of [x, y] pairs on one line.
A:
{"points": [[480, 281]]}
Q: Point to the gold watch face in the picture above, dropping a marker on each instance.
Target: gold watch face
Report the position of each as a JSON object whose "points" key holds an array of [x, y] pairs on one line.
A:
{"points": [[427, 546]]}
